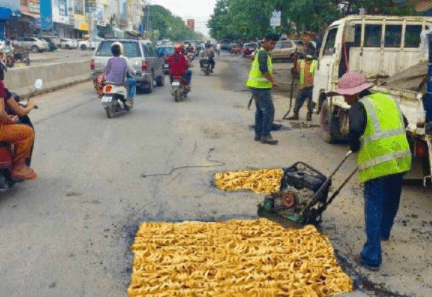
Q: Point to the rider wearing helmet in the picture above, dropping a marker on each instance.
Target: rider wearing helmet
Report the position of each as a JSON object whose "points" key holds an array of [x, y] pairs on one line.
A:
{"points": [[179, 65], [22, 136], [119, 72], [208, 54]]}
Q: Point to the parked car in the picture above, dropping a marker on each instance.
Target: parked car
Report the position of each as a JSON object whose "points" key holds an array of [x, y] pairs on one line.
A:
{"points": [[32, 43], [286, 50], [89, 44], [233, 44], [51, 45], [142, 57], [249, 48], [165, 51], [68, 43], [237, 49]]}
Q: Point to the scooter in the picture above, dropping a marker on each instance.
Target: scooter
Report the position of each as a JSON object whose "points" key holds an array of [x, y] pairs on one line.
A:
{"points": [[6, 149], [178, 89], [114, 100], [206, 67], [191, 56]]}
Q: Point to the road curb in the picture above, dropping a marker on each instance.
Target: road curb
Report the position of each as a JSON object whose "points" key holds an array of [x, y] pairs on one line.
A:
{"points": [[51, 87]]}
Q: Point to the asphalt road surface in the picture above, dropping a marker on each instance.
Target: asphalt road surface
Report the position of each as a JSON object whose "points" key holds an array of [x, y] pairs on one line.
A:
{"points": [[69, 232]]}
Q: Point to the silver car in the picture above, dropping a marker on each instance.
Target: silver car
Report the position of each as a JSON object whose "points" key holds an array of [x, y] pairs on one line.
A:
{"points": [[142, 56], [32, 43]]}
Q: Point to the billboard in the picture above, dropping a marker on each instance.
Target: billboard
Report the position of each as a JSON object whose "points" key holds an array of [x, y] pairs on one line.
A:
{"points": [[191, 23], [46, 14]]}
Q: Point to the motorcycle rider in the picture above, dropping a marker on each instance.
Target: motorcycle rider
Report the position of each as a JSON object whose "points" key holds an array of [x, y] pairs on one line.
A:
{"points": [[21, 136], [208, 54], [119, 72], [179, 65]]}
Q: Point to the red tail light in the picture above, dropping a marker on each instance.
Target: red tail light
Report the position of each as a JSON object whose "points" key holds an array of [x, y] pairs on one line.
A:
{"points": [[92, 66], [420, 149], [144, 66], [107, 89]]}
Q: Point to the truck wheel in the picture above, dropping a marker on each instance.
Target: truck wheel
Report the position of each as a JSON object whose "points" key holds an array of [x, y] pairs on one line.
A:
{"points": [[83, 47], [35, 49], [68, 47], [330, 127]]}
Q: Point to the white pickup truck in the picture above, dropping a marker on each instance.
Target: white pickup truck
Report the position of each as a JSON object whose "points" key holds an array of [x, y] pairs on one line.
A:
{"points": [[381, 48], [89, 44]]}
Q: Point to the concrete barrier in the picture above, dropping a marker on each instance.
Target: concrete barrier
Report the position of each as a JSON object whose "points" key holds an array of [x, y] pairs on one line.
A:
{"points": [[54, 76]]}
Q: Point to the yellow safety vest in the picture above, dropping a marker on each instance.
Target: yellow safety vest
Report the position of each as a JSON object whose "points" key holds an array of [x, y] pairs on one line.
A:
{"points": [[384, 146], [313, 66], [256, 77]]}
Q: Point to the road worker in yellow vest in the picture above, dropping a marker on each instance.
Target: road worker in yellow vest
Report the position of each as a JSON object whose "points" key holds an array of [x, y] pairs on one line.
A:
{"points": [[306, 67], [261, 81], [377, 133]]}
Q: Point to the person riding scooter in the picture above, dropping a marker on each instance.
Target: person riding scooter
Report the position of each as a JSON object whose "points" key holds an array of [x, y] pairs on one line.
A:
{"points": [[179, 66], [207, 54], [119, 72], [21, 136]]}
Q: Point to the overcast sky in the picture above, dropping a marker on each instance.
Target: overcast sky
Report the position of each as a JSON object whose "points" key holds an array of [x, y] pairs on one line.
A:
{"points": [[199, 10]]}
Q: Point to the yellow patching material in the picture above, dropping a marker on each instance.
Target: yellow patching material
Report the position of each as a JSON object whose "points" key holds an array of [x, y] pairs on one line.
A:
{"points": [[238, 258], [259, 181]]}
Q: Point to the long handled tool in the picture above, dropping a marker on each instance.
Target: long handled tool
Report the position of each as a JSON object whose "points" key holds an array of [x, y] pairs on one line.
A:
{"points": [[292, 89]]}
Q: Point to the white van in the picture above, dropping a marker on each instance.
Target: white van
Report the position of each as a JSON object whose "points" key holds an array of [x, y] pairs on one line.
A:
{"points": [[377, 47]]}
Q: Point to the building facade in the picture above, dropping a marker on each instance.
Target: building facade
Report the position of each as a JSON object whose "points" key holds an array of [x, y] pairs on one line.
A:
{"points": [[77, 18]]}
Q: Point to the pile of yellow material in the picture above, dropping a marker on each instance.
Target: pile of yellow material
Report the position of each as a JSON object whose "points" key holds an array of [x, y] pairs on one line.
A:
{"points": [[252, 258], [259, 181]]}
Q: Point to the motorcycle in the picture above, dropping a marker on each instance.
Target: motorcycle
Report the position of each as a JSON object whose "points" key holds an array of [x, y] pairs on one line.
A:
{"points": [[114, 99], [191, 56], [7, 57], [178, 89], [6, 149], [206, 67]]}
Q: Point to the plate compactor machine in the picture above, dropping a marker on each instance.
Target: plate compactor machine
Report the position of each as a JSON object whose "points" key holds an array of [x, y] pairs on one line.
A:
{"points": [[304, 195]]}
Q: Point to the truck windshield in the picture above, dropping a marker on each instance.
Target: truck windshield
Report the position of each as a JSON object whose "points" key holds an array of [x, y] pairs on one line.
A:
{"points": [[131, 49]]}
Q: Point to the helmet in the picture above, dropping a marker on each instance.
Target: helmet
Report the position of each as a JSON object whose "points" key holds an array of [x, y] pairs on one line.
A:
{"points": [[178, 48], [119, 45]]}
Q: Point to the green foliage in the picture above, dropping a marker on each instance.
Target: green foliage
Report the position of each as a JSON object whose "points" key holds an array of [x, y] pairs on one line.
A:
{"points": [[241, 19], [249, 19], [169, 26]]}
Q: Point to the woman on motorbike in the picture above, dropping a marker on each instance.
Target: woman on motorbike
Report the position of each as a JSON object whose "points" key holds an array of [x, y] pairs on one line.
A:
{"points": [[117, 71], [22, 136]]}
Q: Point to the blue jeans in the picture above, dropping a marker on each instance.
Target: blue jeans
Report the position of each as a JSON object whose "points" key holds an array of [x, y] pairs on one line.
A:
{"points": [[131, 87], [264, 115], [382, 198], [304, 94]]}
